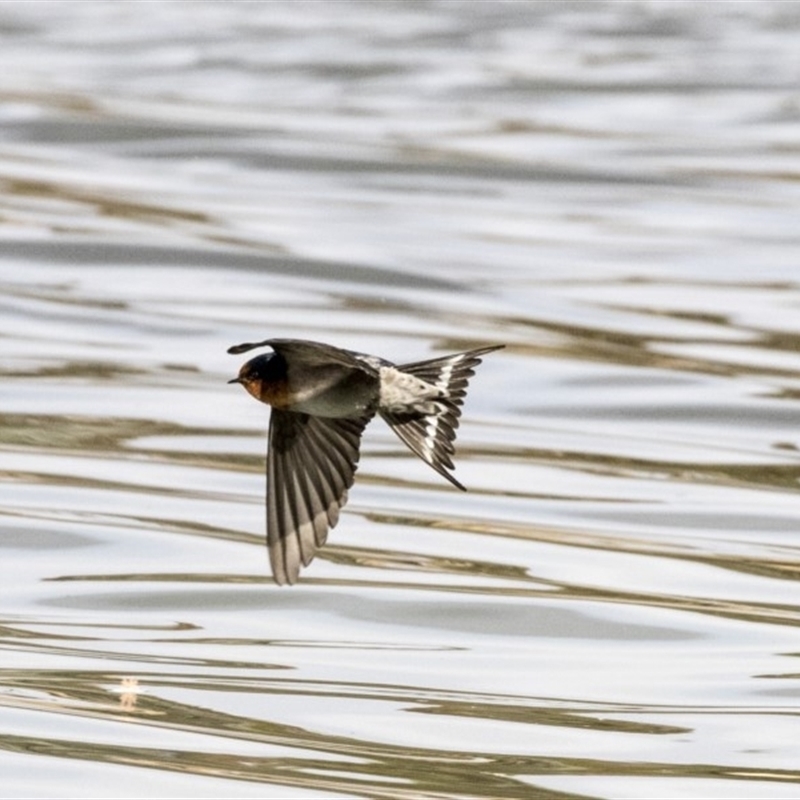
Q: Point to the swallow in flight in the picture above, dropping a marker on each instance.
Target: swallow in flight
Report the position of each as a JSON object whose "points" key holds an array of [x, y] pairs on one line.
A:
{"points": [[322, 398]]}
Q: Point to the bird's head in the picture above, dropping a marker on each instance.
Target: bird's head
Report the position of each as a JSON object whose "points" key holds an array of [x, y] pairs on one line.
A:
{"points": [[264, 377]]}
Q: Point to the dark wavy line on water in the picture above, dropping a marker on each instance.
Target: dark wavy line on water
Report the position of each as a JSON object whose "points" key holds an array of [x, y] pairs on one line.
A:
{"points": [[114, 254]]}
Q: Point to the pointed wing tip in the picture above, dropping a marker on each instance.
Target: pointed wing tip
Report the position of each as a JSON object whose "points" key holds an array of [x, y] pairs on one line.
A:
{"points": [[236, 349], [453, 480]]}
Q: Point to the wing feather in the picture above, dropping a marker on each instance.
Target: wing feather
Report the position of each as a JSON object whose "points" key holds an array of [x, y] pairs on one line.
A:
{"points": [[311, 354], [311, 463]]}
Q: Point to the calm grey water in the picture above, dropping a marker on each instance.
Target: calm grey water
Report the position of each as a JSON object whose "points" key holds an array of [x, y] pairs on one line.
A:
{"points": [[612, 189]]}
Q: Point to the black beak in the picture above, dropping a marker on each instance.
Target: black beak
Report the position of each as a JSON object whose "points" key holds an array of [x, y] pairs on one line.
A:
{"points": [[235, 380]]}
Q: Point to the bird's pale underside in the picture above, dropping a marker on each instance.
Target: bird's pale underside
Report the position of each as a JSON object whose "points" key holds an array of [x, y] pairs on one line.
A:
{"points": [[322, 398]]}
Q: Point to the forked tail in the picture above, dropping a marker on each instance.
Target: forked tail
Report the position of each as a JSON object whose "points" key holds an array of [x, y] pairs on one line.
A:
{"points": [[431, 436]]}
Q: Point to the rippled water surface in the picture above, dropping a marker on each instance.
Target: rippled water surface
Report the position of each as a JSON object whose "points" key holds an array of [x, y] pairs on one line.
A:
{"points": [[610, 189]]}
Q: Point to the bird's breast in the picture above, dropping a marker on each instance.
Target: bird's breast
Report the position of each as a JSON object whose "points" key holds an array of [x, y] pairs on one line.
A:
{"points": [[274, 393]]}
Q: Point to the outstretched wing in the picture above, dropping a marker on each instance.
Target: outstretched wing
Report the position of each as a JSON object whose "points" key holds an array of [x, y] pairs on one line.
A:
{"points": [[431, 436], [311, 463], [311, 354]]}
